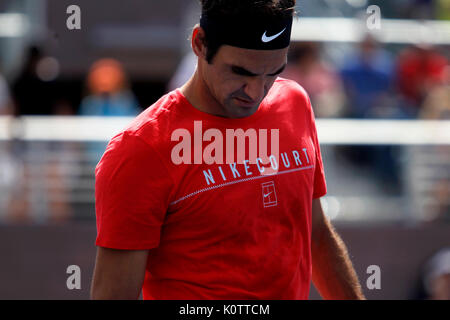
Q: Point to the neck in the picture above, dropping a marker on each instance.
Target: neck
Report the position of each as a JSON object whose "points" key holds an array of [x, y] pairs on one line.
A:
{"points": [[198, 94]]}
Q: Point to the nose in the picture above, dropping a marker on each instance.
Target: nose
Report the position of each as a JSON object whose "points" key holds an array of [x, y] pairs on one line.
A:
{"points": [[255, 88]]}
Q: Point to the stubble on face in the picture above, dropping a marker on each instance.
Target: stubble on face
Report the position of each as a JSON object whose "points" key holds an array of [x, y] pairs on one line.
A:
{"points": [[226, 89]]}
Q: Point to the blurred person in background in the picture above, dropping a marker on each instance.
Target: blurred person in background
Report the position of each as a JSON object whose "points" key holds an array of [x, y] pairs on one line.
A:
{"points": [[6, 106], [32, 94], [367, 75], [421, 9], [39, 191], [35, 89], [437, 277], [434, 280], [436, 106], [108, 95], [7, 167], [319, 79], [420, 69]]}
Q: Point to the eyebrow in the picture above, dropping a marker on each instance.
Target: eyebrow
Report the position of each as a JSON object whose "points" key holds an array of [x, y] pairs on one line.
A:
{"points": [[244, 72]]}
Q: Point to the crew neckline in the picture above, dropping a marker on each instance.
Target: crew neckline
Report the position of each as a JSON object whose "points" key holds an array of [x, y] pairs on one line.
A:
{"points": [[263, 107]]}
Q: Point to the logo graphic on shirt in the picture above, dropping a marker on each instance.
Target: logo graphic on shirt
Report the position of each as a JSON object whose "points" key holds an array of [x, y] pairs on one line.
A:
{"points": [[269, 194], [221, 176], [266, 39]]}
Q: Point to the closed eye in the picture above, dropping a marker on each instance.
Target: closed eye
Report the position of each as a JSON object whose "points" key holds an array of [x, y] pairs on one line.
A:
{"points": [[244, 72], [278, 72]]}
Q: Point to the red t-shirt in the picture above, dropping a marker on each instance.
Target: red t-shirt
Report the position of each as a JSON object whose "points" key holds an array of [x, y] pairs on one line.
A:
{"points": [[215, 231]]}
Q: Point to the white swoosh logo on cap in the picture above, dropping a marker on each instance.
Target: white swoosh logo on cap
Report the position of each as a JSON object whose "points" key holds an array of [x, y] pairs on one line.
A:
{"points": [[265, 38]]}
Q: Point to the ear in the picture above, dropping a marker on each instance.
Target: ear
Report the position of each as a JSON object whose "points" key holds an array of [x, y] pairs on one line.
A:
{"points": [[198, 42]]}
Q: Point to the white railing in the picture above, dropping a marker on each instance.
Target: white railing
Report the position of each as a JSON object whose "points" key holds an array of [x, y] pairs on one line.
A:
{"points": [[352, 30], [56, 165], [331, 131]]}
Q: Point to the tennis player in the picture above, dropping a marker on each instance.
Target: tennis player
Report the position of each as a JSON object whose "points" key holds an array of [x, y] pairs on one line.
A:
{"points": [[173, 224]]}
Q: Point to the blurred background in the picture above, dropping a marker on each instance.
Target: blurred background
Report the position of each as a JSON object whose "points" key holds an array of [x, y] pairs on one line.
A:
{"points": [[380, 93]]}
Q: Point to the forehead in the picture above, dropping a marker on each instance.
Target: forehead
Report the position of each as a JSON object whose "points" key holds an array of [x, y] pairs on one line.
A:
{"points": [[258, 61]]}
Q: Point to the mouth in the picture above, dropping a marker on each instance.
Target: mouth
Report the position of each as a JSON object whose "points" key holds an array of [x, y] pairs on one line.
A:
{"points": [[245, 103]]}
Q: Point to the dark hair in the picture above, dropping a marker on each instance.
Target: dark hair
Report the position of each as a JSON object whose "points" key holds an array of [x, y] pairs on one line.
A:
{"points": [[232, 9]]}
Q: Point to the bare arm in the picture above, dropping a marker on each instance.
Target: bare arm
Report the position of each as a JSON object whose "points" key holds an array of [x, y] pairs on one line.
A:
{"points": [[118, 274], [333, 274]]}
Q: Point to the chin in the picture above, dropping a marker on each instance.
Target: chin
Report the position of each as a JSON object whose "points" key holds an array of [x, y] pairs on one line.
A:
{"points": [[234, 110], [242, 112]]}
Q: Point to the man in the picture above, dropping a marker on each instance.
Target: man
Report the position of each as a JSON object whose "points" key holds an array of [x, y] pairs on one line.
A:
{"points": [[247, 229]]}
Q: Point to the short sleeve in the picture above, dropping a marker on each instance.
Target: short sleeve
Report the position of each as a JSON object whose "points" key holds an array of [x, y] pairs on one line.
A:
{"points": [[132, 193], [320, 186]]}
